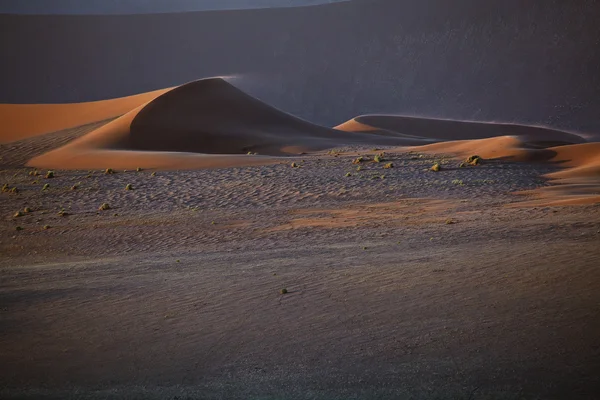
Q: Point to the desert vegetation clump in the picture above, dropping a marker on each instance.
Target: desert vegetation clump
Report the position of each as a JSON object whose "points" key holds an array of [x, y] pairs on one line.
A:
{"points": [[348, 174], [294, 165], [46, 227], [18, 214], [18, 228], [458, 182], [49, 174], [46, 186], [358, 168], [14, 190], [74, 187], [388, 165], [463, 165], [379, 158], [27, 210], [129, 187], [34, 173], [436, 167], [109, 171], [104, 207], [138, 169], [358, 160], [474, 160], [5, 187], [153, 174], [283, 291]]}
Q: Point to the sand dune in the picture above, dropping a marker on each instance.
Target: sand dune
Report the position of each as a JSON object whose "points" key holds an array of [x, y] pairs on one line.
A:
{"points": [[20, 121], [206, 123], [441, 130]]}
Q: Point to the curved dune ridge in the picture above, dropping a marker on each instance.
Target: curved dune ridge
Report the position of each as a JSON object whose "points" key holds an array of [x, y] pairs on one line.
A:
{"points": [[430, 129], [202, 124], [20, 121]]}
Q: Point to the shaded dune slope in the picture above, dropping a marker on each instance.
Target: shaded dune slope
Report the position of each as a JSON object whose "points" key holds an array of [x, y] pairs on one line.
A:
{"points": [[206, 123], [21, 121]]}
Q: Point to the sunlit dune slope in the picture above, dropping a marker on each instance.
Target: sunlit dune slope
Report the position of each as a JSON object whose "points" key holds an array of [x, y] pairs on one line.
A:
{"points": [[20, 121]]}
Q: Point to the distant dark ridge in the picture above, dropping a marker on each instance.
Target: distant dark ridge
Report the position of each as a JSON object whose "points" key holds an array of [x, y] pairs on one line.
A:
{"points": [[124, 7], [532, 62]]}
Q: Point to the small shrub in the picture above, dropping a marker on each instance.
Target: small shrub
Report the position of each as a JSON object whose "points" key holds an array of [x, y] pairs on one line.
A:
{"points": [[104, 207], [153, 174], [14, 190], [74, 187], [129, 187], [458, 182], [18, 228], [109, 171], [63, 213], [283, 291], [436, 167], [18, 214], [358, 168], [388, 165], [476, 161], [34, 173], [463, 165], [138, 169], [294, 165], [46, 227], [34, 182], [379, 158], [46, 186], [450, 221], [5, 187], [348, 174], [49, 174], [471, 159], [382, 177], [27, 210], [358, 160]]}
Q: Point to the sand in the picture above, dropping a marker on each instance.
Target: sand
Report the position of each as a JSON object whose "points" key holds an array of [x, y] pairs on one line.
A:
{"points": [[414, 285], [401, 282], [203, 124], [21, 121]]}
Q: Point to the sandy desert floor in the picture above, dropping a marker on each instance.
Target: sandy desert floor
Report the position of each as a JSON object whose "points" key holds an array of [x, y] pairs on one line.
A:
{"points": [[401, 283]]}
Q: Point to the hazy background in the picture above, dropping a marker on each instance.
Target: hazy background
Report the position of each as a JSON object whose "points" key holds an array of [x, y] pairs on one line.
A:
{"points": [[533, 61]]}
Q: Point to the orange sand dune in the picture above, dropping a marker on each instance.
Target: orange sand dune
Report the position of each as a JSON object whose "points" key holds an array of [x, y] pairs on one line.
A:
{"points": [[440, 130], [579, 181], [206, 123], [20, 121]]}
